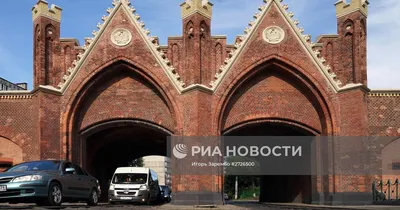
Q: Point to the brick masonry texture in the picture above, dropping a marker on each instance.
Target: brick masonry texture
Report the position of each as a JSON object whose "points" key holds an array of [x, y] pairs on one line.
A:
{"points": [[10, 149], [19, 123], [266, 83]]}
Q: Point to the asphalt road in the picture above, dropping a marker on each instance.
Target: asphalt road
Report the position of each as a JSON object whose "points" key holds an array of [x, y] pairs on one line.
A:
{"points": [[236, 205], [79, 206], [233, 206]]}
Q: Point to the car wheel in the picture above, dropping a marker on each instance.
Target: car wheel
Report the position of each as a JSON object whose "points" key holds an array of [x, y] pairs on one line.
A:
{"points": [[93, 198], [55, 195]]}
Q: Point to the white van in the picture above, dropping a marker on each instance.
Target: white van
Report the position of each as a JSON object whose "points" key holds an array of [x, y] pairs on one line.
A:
{"points": [[134, 184]]}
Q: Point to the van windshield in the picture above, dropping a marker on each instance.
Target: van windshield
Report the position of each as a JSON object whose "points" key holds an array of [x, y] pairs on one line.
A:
{"points": [[127, 178]]}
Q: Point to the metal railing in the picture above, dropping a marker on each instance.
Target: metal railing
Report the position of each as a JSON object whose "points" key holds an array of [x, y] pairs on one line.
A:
{"points": [[385, 191]]}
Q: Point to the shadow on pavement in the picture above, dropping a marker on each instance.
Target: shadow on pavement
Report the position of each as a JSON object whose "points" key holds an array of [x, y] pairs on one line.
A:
{"points": [[79, 206]]}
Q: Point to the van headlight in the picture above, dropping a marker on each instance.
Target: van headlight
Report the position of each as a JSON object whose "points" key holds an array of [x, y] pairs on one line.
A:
{"points": [[143, 187], [112, 187], [27, 178]]}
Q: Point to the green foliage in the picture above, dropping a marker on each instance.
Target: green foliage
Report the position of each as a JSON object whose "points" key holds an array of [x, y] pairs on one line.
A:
{"points": [[247, 186], [250, 193], [137, 163]]}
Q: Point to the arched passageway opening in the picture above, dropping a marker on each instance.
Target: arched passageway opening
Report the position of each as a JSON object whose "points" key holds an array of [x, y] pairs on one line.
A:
{"points": [[108, 147], [279, 188]]}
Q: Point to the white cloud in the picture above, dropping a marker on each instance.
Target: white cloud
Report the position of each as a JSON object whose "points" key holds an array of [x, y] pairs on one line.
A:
{"points": [[230, 17], [383, 44], [383, 30]]}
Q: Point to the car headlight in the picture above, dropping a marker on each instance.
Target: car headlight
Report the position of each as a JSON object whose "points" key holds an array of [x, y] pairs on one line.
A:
{"points": [[111, 187], [27, 178], [143, 187]]}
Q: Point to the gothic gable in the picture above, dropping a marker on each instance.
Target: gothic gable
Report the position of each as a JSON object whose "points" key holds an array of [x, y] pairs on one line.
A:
{"points": [[271, 29], [122, 34]]}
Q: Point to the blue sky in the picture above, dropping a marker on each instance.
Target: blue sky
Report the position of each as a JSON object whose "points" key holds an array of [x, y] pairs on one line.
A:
{"points": [[230, 17]]}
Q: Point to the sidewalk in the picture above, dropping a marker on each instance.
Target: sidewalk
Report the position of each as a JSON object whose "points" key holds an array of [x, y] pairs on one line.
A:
{"points": [[274, 206], [183, 207], [323, 207]]}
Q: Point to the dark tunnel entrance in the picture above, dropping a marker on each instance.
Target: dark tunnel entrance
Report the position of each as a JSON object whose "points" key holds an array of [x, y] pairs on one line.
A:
{"points": [[110, 148], [276, 188]]}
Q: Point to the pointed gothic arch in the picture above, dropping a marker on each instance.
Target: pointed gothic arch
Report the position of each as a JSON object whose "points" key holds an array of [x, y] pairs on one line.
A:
{"points": [[69, 119], [311, 89]]}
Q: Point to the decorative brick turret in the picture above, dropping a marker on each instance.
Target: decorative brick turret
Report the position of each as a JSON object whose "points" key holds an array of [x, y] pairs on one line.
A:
{"points": [[46, 23], [352, 40], [196, 15]]}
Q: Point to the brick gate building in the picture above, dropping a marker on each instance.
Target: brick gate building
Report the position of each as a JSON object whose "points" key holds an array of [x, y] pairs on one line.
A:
{"points": [[121, 90]]}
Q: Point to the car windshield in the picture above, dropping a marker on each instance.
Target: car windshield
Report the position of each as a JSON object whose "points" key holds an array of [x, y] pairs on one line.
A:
{"points": [[127, 178], [35, 166], [165, 188]]}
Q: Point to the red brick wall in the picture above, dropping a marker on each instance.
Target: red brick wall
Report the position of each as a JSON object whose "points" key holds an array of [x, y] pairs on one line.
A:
{"points": [[125, 96], [49, 122], [10, 153], [47, 52], [289, 85], [384, 115], [19, 123], [297, 65], [68, 53], [352, 49], [390, 154], [101, 70], [269, 96]]}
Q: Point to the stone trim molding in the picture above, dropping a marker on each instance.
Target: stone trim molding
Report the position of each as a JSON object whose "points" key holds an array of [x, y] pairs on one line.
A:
{"points": [[384, 93], [343, 8], [190, 7], [334, 36], [219, 37], [144, 33], [41, 9], [237, 49], [304, 39], [76, 41], [15, 96]]}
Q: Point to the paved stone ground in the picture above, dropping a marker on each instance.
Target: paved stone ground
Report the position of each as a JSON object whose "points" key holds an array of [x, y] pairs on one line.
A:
{"points": [[243, 205]]}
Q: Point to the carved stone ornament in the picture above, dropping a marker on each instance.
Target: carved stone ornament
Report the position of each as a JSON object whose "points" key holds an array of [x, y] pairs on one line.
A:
{"points": [[274, 34], [121, 37]]}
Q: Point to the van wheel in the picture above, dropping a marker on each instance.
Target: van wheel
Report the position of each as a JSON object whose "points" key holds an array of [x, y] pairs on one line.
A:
{"points": [[93, 198], [148, 201]]}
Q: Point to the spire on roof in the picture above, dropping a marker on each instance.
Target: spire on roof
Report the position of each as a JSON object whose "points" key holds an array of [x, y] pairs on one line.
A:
{"points": [[190, 7]]}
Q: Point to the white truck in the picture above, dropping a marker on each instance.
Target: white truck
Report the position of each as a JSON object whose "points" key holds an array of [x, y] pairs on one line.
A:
{"points": [[134, 184]]}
